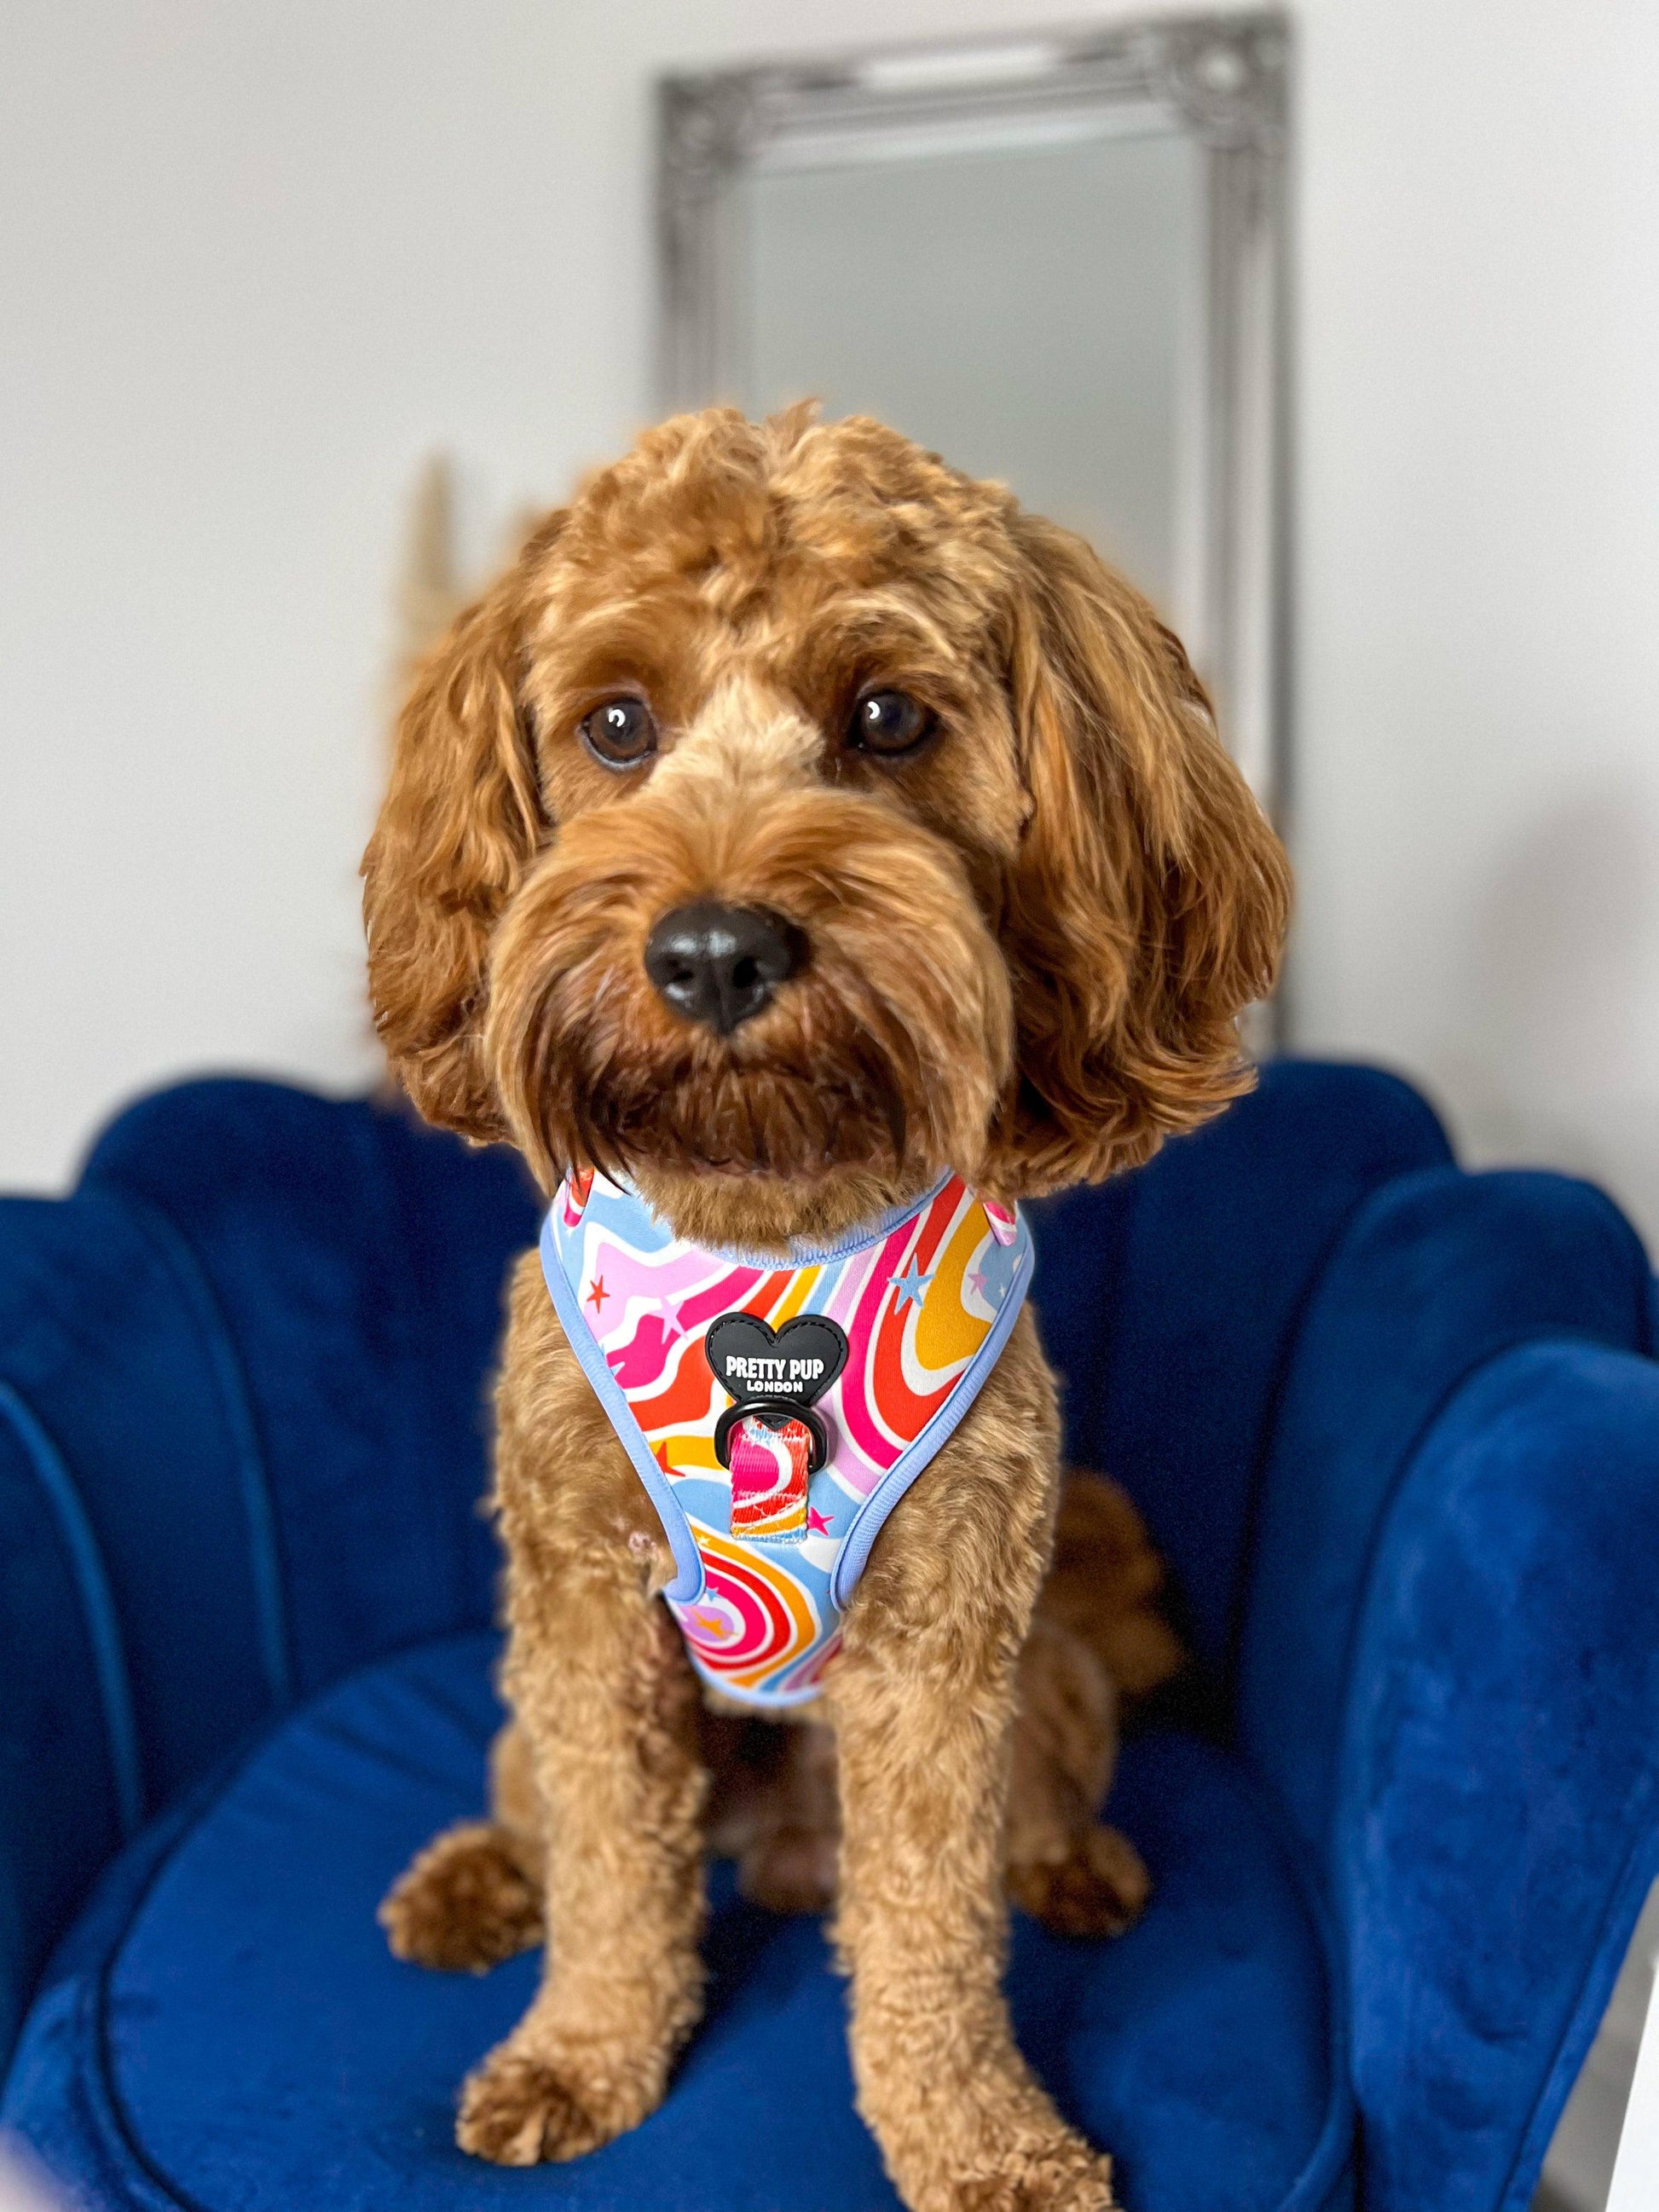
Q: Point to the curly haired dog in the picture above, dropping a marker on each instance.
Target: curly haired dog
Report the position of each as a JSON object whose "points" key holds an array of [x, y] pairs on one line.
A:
{"points": [[956, 879]]}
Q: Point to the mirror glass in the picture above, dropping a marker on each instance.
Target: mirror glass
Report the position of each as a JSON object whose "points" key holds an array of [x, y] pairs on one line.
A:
{"points": [[1031, 311], [1057, 262]]}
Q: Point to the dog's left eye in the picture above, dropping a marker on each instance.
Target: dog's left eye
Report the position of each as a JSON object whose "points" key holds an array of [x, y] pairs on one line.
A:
{"points": [[619, 733], [887, 722]]}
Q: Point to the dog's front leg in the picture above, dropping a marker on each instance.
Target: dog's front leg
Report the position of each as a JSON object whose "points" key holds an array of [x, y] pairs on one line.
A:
{"points": [[599, 1679], [923, 1697]]}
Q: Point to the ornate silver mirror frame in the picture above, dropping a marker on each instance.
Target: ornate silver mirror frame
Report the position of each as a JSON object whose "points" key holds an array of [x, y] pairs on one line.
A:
{"points": [[1222, 81]]}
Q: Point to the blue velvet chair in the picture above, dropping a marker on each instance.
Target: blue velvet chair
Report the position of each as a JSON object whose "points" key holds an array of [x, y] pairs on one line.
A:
{"points": [[1396, 1428]]}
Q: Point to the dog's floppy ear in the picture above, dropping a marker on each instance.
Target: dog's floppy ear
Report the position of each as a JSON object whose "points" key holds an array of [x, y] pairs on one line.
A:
{"points": [[460, 822], [1148, 903]]}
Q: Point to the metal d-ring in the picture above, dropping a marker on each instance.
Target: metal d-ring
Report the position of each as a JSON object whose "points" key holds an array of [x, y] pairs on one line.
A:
{"points": [[773, 1409]]}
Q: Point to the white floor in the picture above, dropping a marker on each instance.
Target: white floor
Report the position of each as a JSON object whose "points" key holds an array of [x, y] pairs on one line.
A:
{"points": [[1579, 2172]]}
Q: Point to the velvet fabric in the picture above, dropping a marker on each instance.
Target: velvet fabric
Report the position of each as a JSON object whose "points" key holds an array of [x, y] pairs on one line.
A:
{"points": [[1395, 1427], [253, 2043]]}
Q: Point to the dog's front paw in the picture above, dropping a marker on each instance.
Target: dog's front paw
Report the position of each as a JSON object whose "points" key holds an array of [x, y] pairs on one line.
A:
{"points": [[1099, 1888], [518, 2111], [464, 1904], [996, 2144], [522, 2107], [1029, 2172]]}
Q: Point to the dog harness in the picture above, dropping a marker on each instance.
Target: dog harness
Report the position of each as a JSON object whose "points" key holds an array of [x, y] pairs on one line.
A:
{"points": [[777, 1410]]}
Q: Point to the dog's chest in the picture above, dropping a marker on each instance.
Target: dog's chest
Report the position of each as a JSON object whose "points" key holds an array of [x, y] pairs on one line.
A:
{"points": [[777, 1411]]}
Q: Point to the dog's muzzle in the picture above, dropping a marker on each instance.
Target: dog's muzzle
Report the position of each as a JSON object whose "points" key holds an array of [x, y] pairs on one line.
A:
{"points": [[719, 964]]}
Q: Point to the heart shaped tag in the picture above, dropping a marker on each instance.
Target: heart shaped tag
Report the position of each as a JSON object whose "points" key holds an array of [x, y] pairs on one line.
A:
{"points": [[774, 1374], [797, 1363]]}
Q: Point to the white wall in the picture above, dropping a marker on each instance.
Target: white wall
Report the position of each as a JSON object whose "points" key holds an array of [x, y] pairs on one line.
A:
{"points": [[258, 260], [1478, 674]]}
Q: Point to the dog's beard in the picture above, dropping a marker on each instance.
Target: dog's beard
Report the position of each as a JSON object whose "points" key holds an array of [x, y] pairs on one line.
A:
{"points": [[884, 1058], [809, 1091], [769, 1121]]}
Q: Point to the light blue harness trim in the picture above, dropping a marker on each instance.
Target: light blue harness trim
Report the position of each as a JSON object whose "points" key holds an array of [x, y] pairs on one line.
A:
{"points": [[687, 1560], [823, 1567]]}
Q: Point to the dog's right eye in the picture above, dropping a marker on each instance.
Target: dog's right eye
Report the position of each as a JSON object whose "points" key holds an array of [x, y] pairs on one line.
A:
{"points": [[889, 724], [621, 733]]}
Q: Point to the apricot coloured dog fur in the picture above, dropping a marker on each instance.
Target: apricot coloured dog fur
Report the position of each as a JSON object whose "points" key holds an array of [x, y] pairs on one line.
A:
{"points": [[1028, 926]]}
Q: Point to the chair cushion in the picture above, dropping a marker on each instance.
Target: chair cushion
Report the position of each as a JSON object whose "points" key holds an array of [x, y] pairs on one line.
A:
{"points": [[226, 2030]]}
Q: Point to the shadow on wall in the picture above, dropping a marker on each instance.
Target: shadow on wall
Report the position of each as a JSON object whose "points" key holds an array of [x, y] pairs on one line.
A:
{"points": [[1560, 946]]}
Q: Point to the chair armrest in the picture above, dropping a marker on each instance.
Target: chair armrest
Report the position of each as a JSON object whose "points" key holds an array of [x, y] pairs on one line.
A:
{"points": [[1496, 1824], [350, 1265], [1450, 1663], [133, 1613], [242, 1433], [1436, 1274], [68, 1788]]}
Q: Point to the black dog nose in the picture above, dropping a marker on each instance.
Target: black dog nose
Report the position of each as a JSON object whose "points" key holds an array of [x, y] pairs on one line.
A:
{"points": [[720, 964]]}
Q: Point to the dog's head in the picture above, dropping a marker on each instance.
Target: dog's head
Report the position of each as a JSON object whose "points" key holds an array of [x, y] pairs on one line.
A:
{"points": [[797, 818]]}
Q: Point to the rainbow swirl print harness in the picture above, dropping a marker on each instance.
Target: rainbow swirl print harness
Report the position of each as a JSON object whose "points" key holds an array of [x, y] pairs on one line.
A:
{"points": [[771, 1503]]}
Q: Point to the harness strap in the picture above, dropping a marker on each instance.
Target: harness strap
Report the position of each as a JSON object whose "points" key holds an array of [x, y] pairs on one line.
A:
{"points": [[777, 1410]]}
